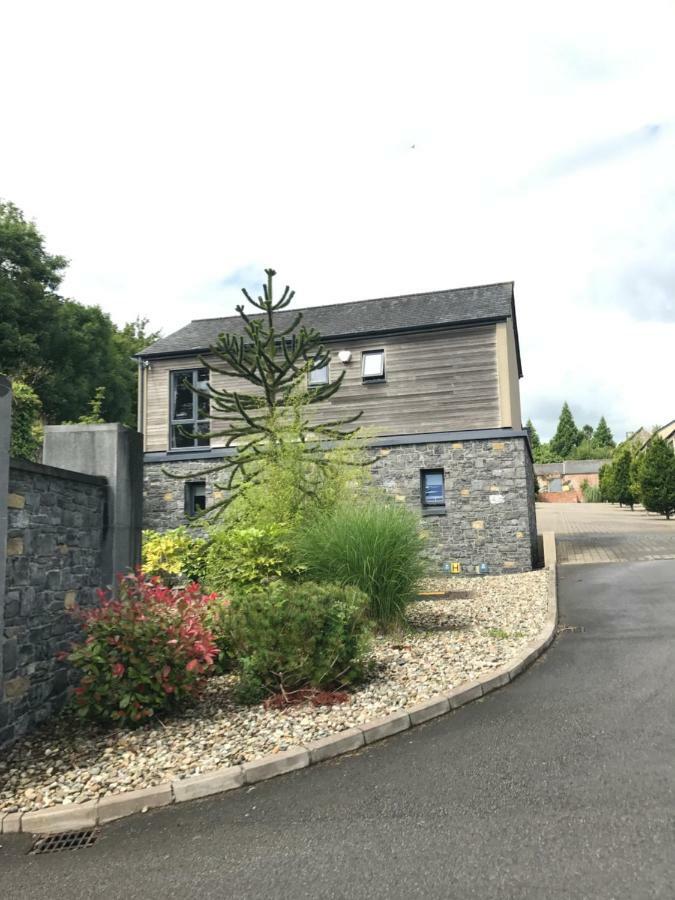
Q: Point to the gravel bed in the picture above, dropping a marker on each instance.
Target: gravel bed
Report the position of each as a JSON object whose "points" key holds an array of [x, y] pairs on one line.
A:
{"points": [[479, 626]]}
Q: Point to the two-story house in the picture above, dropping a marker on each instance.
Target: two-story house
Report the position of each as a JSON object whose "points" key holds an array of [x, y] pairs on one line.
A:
{"points": [[437, 375]]}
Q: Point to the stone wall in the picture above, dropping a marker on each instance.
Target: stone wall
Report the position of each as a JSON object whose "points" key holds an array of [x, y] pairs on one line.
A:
{"points": [[56, 527], [164, 496], [489, 513]]}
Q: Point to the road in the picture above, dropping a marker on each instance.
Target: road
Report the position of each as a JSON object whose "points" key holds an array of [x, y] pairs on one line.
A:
{"points": [[560, 785]]}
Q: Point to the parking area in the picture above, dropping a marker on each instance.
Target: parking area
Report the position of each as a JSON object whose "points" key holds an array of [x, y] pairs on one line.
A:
{"points": [[602, 532]]}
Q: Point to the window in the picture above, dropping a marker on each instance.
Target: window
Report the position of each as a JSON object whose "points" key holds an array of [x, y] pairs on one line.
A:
{"points": [[372, 365], [195, 497], [433, 490], [189, 411], [317, 377]]}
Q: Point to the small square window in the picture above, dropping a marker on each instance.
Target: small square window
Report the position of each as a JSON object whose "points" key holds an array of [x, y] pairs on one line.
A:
{"points": [[195, 497], [433, 488], [372, 365], [317, 377]]}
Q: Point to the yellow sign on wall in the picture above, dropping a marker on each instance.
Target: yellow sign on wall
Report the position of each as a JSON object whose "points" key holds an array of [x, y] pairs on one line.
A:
{"points": [[455, 568]]}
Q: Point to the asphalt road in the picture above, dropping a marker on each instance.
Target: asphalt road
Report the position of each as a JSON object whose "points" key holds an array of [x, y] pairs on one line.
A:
{"points": [[560, 785]]}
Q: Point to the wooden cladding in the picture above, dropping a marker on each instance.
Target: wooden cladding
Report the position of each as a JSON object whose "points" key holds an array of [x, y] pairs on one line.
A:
{"points": [[445, 380]]}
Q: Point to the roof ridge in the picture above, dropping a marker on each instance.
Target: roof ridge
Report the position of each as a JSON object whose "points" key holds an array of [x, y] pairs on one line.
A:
{"points": [[469, 287]]}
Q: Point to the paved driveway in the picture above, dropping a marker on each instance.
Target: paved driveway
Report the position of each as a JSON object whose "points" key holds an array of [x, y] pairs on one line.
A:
{"points": [[560, 785], [600, 532]]}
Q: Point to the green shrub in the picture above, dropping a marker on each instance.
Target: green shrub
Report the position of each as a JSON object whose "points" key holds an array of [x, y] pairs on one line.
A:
{"points": [[174, 555], [291, 636], [147, 651], [241, 558], [591, 492], [376, 547], [26, 434]]}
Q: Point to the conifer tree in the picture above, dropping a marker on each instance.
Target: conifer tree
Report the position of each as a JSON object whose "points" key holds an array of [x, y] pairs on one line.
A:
{"points": [[603, 437], [621, 477], [657, 478], [534, 437], [566, 437], [261, 425]]}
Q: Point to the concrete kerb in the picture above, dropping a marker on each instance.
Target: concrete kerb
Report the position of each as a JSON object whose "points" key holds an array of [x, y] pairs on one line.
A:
{"points": [[76, 816]]}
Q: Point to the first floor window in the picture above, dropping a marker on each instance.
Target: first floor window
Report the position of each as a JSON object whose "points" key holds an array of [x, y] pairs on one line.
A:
{"points": [[372, 365], [195, 497], [433, 488], [317, 377], [189, 411]]}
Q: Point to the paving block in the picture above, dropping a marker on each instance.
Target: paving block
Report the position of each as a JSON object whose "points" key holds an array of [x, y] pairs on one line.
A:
{"points": [[275, 764], [225, 779], [428, 709], [119, 805], [465, 693], [382, 728], [65, 817], [335, 744], [11, 823], [498, 678]]}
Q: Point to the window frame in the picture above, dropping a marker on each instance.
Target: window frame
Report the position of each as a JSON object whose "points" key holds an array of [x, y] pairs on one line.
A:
{"points": [[373, 379], [191, 495], [319, 383], [189, 424], [434, 505]]}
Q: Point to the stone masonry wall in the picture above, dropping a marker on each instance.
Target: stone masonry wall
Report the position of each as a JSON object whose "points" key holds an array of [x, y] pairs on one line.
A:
{"points": [[164, 496], [489, 514], [56, 524]]}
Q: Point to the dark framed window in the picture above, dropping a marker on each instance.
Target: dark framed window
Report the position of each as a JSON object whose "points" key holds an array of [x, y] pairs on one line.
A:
{"points": [[195, 497], [189, 411], [317, 377], [432, 487], [372, 365]]}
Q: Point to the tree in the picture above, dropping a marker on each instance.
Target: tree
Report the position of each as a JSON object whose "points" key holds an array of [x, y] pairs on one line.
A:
{"points": [[606, 483], [602, 437], [621, 477], [62, 349], [586, 433], [26, 435], [29, 278], [534, 437], [271, 425], [566, 437], [657, 478]]}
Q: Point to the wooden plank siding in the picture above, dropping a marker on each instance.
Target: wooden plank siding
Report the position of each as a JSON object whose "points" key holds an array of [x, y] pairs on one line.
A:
{"points": [[443, 380]]}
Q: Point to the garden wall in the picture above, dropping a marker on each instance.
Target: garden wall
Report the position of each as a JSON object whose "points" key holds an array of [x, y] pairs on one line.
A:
{"points": [[63, 534]]}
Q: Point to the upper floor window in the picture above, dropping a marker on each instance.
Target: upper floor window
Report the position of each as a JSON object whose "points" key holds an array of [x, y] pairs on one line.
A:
{"points": [[372, 365], [317, 377], [189, 411], [433, 488]]}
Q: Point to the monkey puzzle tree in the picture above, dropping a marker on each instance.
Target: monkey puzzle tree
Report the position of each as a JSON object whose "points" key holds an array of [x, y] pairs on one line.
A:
{"points": [[285, 363]]}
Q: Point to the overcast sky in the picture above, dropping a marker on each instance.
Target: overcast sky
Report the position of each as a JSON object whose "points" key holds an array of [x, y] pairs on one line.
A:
{"points": [[173, 150]]}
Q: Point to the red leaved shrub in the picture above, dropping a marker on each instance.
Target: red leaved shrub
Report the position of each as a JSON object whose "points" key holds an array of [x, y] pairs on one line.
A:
{"points": [[144, 652]]}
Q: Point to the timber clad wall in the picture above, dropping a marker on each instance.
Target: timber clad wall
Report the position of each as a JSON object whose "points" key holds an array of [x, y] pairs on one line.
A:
{"points": [[444, 380]]}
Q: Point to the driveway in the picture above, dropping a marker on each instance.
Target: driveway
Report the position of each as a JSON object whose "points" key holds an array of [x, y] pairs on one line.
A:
{"points": [[561, 785], [601, 532]]}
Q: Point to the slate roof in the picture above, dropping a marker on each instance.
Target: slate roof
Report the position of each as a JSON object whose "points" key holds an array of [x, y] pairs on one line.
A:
{"points": [[362, 317]]}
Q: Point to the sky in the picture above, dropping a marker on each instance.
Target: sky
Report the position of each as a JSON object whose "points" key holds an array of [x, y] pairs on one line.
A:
{"points": [[172, 151]]}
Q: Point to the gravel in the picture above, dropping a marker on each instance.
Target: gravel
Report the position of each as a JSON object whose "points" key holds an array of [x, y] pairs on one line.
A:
{"points": [[479, 625]]}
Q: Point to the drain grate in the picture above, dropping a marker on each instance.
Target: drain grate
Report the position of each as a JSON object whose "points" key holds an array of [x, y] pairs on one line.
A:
{"points": [[67, 840], [575, 629]]}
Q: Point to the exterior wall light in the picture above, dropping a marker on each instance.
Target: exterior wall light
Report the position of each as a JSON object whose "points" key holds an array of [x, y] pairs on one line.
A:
{"points": [[344, 356]]}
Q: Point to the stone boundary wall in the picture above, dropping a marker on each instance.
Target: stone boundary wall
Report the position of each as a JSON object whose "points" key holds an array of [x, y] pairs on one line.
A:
{"points": [[56, 526]]}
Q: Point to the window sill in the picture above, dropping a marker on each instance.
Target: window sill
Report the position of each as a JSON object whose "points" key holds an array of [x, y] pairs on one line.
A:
{"points": [[373, 381], [434, 511], [189, 449]]}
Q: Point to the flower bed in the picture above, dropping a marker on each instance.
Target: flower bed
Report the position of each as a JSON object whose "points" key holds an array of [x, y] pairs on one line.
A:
{"points": [[480, 626]]}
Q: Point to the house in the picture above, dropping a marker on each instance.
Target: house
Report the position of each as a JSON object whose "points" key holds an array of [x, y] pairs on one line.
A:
{"points": [[667, 433], [437, 376], [562, 482]]}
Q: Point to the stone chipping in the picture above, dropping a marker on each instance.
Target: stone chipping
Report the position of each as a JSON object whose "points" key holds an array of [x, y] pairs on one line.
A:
{"points": [[478, 625]]}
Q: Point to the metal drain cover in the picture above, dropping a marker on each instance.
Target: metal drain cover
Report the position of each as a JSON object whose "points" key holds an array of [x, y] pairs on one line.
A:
{"points": [[575, 629], [67, 840]]}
